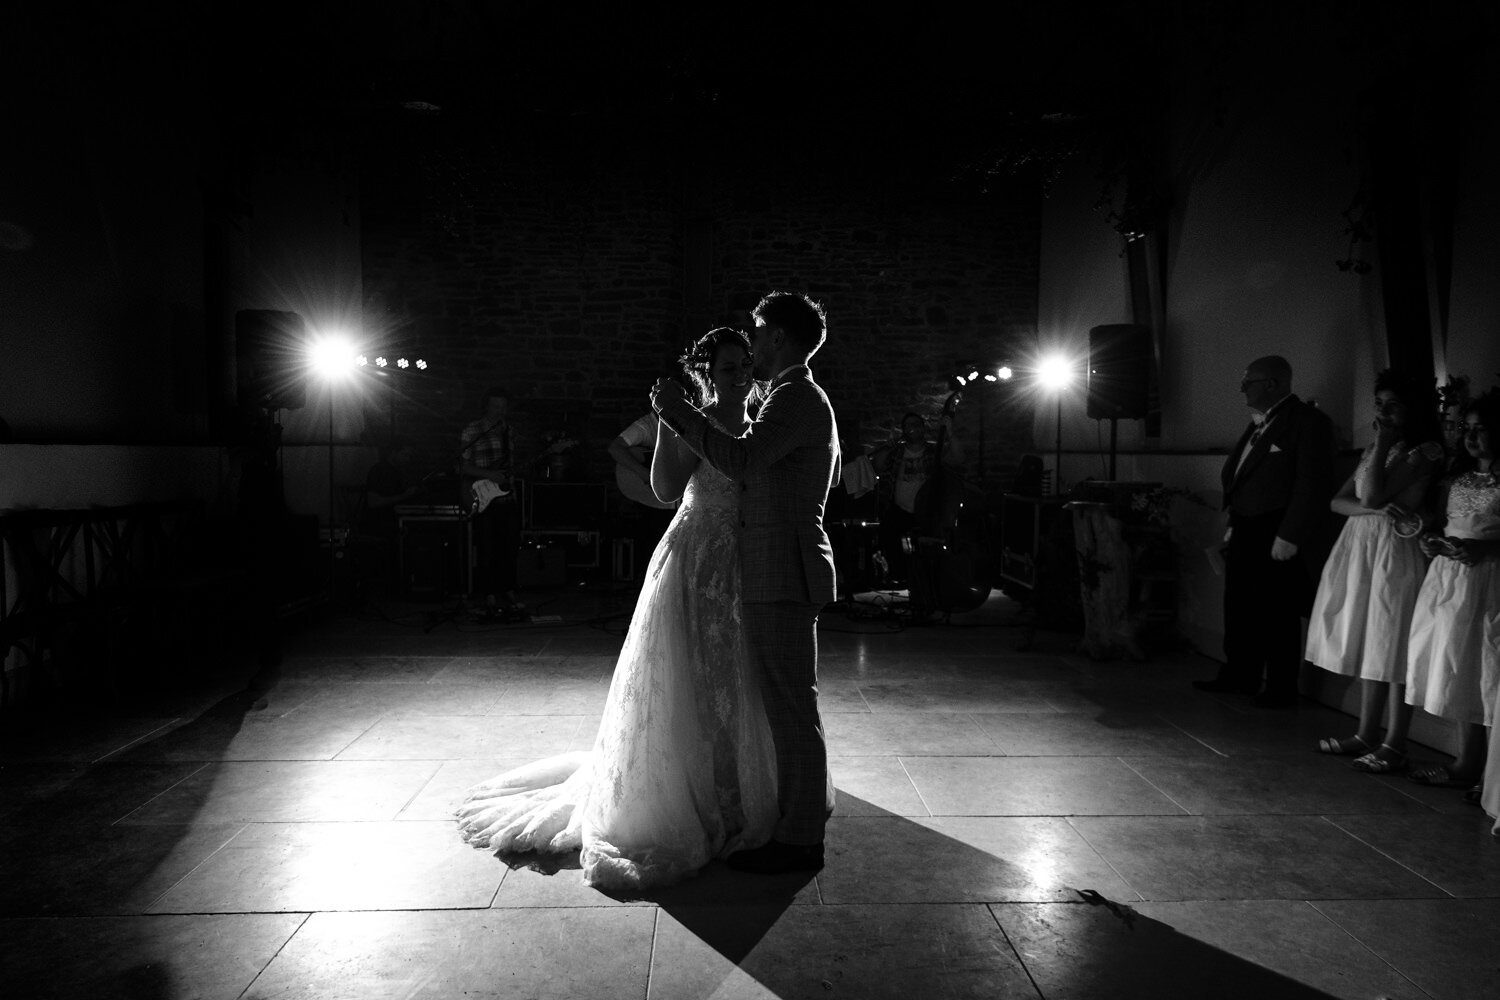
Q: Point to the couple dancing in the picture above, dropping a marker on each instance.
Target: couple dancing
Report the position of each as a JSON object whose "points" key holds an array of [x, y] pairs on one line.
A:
{"points": [[710, 744]]}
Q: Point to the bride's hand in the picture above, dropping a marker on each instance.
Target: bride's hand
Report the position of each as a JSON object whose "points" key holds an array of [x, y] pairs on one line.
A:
{"points": [[666, 391]]}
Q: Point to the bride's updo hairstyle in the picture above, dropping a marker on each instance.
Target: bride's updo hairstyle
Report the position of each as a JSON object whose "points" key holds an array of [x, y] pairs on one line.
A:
{"points": [[698, 361]]}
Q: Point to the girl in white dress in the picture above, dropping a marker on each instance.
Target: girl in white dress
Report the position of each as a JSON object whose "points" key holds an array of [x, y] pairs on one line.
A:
{"points": [[1453, 657], [1369, 585], [683, 767]]}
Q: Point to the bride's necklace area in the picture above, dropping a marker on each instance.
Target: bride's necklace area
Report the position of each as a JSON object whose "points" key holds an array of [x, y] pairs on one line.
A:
{"points": [[733, 417]]}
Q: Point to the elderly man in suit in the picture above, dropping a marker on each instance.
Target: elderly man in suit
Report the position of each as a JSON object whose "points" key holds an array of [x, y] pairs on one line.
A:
{"points": [[785, 465], [1277, 483]]}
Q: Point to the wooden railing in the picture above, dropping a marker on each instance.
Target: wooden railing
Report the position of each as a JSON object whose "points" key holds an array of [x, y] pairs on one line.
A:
{"points": [[107, 584]]}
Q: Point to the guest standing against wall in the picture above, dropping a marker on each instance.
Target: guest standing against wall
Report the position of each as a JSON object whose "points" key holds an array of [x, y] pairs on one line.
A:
{"points": [[1276, 492]]}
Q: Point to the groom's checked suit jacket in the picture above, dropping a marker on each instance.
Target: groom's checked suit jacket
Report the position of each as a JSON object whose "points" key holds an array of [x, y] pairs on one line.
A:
{"points": [[785, 465]]}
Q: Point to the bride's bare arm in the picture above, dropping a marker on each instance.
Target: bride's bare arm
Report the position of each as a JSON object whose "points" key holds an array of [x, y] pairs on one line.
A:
{"points": [[671, 465]]}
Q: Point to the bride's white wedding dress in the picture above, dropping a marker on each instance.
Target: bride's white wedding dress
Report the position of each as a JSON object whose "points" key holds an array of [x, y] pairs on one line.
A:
{"points": [[683, 768]]}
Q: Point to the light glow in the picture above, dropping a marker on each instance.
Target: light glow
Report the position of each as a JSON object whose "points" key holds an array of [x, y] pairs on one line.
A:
{"points": [[1054, 373], [332, 356], [1005, 374]]}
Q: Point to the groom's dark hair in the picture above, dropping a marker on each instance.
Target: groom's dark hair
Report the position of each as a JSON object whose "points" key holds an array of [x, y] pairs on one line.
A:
{"points": [[804, 320]]}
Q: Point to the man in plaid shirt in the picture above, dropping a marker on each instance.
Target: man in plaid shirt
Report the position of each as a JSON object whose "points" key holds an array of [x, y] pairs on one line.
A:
{"points": [[785, 465]]}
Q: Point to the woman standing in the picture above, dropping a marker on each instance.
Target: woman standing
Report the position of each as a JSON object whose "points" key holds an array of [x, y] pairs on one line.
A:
{"points": [[683, 768], [1369, 585], [1454, 650]]}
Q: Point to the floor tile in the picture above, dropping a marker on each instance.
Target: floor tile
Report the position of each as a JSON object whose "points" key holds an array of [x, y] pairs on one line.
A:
{"points": [[575, 954], [1233, 950], [289, 792], [210, 957], [445, 789], [938, 952], [452, 737], [338, 866], [1456, 853], [1284, 784], [251, 737], [372, 667], [377, 698], [837, 695], [1444, 946], [539, 695], [1238, 729], [874, 786], [558, 883], [1246, 857], [82, 797], [907, 733], [79, 739], [502, 668], [1034, 786], [1107, 733], [952, 695], [960, 859], [113, 870]]}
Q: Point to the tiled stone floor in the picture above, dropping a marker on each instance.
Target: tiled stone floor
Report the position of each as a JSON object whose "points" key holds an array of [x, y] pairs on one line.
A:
{"points": [[1011, 823]]}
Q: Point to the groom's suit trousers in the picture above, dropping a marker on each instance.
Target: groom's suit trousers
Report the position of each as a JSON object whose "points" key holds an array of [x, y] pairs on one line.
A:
{"points": [[783, 638]]}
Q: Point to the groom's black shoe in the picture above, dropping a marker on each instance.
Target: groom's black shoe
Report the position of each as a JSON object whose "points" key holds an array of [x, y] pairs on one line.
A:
{"points": [[774, 858]]}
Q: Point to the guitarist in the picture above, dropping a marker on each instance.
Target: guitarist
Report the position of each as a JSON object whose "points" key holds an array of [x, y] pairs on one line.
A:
{"points": [[488, 454], [903, 465]]}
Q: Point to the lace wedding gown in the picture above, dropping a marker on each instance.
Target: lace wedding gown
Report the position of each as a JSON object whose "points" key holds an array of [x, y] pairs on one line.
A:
{"points": [[683, 768]]}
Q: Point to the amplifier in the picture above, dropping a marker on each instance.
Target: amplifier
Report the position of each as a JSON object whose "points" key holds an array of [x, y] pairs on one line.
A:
{"points": [[580, 548]]}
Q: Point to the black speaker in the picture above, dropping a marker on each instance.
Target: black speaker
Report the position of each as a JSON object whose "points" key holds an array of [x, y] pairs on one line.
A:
{"points": [[270, 361], [1119, 370]]}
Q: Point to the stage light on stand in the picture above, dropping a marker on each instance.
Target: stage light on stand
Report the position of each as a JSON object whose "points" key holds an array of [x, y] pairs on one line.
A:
{"points": [[1054, 373]]}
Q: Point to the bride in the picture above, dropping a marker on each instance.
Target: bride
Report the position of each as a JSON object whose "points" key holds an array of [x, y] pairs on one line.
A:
{"points": [[683, 768]]}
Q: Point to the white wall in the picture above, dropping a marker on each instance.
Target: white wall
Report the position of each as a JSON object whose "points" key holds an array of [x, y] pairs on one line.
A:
{"points": [[1255, 230]]}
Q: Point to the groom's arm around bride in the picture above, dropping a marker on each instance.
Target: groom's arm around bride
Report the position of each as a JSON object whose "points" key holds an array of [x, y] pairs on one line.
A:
{"points": [[785, 465]]}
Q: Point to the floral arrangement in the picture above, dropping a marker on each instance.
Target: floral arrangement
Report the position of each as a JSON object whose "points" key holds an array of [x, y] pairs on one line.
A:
{"points": [[1154, 506]]}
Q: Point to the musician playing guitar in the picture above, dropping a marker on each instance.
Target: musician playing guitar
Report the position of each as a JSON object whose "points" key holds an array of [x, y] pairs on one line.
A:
{"points": [[488, 457], [904, 464]]}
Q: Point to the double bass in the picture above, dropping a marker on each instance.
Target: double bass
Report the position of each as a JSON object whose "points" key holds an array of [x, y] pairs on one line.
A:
{"points": [[953, 568]]}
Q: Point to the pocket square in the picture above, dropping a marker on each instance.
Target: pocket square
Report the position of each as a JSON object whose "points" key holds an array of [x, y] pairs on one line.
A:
{"points": [[1275, 448]]}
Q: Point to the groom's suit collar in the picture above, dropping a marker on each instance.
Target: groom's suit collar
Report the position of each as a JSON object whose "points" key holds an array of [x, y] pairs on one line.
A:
{"points": [[789, 371]]}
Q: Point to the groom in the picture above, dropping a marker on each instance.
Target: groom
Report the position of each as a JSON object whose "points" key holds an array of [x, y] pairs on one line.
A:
{"points": [[785, 465]]}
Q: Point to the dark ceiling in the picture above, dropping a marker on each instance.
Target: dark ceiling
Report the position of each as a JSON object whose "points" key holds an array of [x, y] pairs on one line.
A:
{"points": [[996, 80]]}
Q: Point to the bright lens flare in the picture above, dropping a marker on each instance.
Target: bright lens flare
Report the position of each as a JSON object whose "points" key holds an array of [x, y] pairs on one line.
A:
{"points": [[1054, 372], [1005, 373], [332, 357]]}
